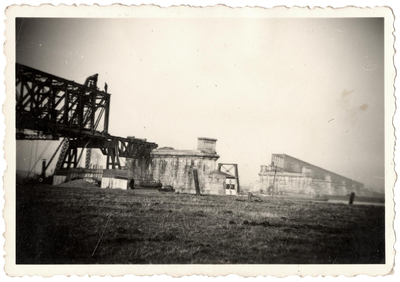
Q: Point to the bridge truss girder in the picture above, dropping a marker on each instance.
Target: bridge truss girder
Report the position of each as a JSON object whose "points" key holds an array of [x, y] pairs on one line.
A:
{"points": [[113, 147], [57, 106]]}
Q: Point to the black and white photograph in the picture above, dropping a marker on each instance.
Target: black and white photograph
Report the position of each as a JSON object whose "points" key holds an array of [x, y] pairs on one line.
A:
{"points": [[207, 137]]}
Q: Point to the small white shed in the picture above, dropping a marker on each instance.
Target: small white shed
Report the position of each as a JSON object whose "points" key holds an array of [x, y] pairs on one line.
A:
{"points": [[114, 178]]}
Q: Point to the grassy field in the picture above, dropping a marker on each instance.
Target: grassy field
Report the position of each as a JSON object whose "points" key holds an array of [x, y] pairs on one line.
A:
{"points": [[97, 226]]}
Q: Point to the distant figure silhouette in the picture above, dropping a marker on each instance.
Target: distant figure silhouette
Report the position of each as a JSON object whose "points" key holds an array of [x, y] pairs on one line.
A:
{"points": [[105, 87]]}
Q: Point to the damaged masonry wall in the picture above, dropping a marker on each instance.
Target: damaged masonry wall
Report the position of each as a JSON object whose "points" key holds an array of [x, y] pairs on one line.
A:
{"points": [[175, 167]]}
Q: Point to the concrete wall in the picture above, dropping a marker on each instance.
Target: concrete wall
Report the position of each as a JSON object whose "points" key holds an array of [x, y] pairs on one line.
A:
{"points": [[206, 145], [290, 164], [286, 182], [296, 176], [139, 170], [215, 184], [175, 167], [285, 163], [177, 171]]}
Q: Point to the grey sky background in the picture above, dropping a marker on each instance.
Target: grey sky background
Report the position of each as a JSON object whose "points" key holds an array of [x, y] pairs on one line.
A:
{"points": [[309, 88]]}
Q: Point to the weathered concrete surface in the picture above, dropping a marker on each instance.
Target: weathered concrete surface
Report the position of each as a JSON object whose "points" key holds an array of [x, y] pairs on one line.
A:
{"points": [[175, 167], [216, 183], [295, 176], [286, 182], [177, 170]]}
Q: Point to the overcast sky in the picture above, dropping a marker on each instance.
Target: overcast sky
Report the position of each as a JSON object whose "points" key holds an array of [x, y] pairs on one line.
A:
{"points": [[309, 88]]}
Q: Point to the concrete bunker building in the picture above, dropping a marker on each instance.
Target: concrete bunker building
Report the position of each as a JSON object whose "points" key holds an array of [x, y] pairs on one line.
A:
{"points": [[287, 174], [175, 168]]}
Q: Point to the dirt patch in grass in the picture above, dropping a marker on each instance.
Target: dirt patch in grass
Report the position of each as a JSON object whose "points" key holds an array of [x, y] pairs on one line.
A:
{"points": [[95, 226]]}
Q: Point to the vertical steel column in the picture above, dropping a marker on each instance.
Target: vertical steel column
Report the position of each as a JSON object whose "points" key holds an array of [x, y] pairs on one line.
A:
{"points": [[88, 157], [66, 107], [62, 156], [79, 108], [107, 114], [93, 112], [113, 156]]}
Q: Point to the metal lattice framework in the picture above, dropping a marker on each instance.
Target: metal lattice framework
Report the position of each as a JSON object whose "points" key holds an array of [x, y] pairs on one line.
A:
{"points": [[231, 169], [58, 107]]}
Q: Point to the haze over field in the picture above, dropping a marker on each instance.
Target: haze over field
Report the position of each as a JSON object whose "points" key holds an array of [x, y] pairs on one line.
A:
{"points": [[309, 88]]}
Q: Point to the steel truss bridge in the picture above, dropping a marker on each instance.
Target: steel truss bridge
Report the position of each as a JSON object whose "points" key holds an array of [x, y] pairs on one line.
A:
{"points": [[55, 108]]}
